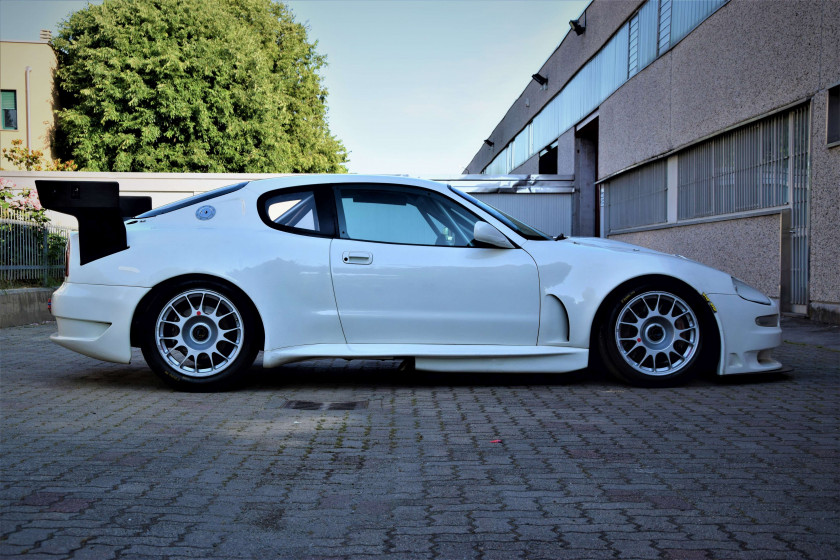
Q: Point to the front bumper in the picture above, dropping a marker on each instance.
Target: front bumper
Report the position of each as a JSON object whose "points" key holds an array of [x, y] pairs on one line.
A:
{"points": [[95, 320], [745, 346]]}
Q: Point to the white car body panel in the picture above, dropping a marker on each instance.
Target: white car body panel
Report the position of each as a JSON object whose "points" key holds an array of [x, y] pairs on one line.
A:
{"points": [[95, 320], [530, 308], [744, 345], [446, 357], [435, 295], [580, 274]]}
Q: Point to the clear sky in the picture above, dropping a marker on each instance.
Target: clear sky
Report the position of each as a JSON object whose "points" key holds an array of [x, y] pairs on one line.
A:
{"points": [[415, 86]]}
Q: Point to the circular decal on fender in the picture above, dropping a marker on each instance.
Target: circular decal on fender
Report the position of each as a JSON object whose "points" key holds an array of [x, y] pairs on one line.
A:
{"points": [[205, 212]]}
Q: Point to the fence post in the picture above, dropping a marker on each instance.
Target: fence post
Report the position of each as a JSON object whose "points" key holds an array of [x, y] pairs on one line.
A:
{"points": [[46, 254]]}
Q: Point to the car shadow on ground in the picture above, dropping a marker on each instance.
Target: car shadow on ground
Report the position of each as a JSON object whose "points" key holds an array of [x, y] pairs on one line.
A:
{"points": [[357, 373], [354, 374]]}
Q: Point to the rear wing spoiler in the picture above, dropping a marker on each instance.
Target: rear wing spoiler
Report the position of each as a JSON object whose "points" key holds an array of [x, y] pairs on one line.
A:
{"points": [[100, 210]]}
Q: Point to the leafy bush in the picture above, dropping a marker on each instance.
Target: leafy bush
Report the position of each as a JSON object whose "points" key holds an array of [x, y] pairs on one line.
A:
{"points": [[192, 85], [31, 160]]}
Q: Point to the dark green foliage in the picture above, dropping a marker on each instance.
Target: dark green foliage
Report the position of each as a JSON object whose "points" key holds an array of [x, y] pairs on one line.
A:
{"points": [[192, 85]]}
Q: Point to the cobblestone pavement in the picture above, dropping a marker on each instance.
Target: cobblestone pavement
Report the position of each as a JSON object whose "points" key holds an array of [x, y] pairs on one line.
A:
{"points": [[102, 461]]}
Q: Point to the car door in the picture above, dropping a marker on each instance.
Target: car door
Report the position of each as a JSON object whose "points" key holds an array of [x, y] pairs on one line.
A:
{"points": [[406, 270]]}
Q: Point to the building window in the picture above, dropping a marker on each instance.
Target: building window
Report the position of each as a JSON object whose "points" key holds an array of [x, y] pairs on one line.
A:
{"points": [[8, 104], [521, 147], [833, 119], [750, 168], [547, 164], [655, 28], [688, 14], [643, 34], [638, 198]]}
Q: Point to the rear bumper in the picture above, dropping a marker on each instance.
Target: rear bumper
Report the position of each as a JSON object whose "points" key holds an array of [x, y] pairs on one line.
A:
{"points": [[745, 346], [95, 320]]}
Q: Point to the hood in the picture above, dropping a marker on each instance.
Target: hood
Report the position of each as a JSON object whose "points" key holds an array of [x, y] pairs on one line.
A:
{"points": [[612, 245]]}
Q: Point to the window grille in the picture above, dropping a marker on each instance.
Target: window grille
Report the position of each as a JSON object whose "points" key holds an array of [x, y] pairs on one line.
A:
{"points": [[746, 169], [647, 36], [638, 197], [633, 55], [800, 133], [664, 25]]}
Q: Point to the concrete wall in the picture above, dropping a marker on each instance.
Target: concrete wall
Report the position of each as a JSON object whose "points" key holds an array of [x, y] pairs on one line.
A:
{"points": [[745, 60], [14, 58], [162, 187], [825, 215], [24, 306], [746, 248], [825, 179]]}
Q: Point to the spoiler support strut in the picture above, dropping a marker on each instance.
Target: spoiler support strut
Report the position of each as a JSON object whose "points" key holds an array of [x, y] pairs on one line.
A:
{"points": [[98, 207]]}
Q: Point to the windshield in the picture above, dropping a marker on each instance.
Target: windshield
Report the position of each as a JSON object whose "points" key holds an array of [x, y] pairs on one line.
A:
{"points": [[524, 230], [177, 205]]}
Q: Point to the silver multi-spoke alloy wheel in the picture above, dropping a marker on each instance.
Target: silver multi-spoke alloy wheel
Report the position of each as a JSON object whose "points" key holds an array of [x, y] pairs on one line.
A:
{"points": [[199, 333], [657, 333]]}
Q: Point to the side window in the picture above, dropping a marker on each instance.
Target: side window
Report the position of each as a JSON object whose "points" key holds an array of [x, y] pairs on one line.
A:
{"points": [[302, 210], [403, 215]]}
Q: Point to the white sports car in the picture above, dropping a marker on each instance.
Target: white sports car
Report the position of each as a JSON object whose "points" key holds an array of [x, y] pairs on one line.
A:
{"points": [[350, 266]]}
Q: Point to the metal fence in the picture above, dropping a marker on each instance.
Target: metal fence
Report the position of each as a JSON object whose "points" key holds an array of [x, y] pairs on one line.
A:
{"points": [[30, 251]]}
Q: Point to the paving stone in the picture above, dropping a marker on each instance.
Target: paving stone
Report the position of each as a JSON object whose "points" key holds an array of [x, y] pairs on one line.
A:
{"points": [[103, 461]]}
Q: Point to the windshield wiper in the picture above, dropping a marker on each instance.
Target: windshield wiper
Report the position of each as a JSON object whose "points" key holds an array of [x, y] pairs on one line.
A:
{"points": [[560, 237]]}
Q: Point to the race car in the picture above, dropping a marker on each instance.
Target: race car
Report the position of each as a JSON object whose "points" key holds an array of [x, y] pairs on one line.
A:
{"points": [[354, 266]]}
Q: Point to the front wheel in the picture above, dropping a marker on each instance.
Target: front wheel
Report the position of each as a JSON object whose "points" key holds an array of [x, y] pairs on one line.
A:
{"points": [[200, 336], [655, 336]]}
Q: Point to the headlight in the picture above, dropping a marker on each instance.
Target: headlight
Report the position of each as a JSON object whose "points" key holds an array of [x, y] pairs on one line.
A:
{"points": [[749, 293]]}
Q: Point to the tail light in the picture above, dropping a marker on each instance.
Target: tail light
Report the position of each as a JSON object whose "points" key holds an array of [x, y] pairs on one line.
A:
{"points": [[67, 259]]}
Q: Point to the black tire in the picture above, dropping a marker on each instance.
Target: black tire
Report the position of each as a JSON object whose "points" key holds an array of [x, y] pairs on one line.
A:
{"points": [[655, 335], [200, 336]]}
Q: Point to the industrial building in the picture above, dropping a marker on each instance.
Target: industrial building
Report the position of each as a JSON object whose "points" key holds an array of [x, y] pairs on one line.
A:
{"points": [[707, 128]]}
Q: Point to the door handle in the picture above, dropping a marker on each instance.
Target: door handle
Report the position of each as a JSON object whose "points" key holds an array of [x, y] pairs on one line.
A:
{"points": [[356, 257]]}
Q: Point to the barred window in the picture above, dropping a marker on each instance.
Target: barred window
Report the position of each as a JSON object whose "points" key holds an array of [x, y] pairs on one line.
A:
{"points": [[638, 197], [750, 168]]}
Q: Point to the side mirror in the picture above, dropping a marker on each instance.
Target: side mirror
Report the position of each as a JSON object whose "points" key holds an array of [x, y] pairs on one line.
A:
{"points": [[485, 233]]}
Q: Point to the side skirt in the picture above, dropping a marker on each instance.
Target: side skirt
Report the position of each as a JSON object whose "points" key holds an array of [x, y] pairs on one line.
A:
{"points": [[430, 357]]}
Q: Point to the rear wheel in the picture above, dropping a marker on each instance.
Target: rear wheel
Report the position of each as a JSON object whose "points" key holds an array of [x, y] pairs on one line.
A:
{"points": [[655, 335], [200, 336]]}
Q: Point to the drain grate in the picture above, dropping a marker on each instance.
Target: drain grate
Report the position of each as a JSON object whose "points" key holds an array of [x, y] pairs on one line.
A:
{"points": [[303, 405], [351, 405], [313, 405]]}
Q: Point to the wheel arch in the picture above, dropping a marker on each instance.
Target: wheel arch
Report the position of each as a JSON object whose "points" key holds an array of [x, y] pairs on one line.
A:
{"points": [[703, 308], [144, 305]]}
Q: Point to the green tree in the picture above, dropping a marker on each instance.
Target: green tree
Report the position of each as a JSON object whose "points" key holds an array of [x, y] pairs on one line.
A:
{"points": [[192, 85]]}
